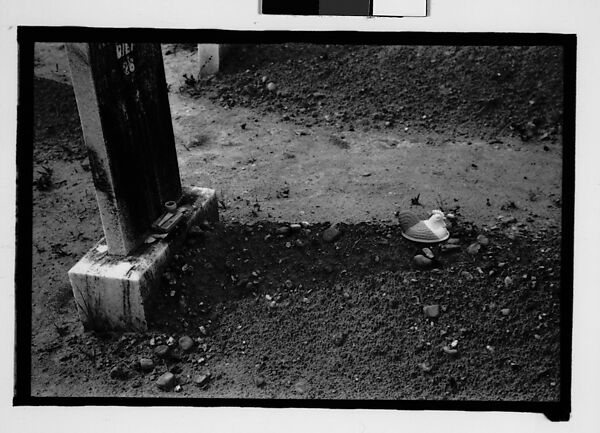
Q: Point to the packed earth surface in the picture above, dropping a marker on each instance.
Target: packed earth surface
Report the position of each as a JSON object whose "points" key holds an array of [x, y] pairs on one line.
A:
{"points": [[305, 287]]}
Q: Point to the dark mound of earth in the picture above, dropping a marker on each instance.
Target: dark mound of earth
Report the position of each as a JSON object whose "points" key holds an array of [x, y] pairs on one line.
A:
{"points": [[466, 90]]}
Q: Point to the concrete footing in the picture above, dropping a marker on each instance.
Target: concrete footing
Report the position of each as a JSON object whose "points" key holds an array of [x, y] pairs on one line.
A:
{"points": [[210, 57], [112, 292]]}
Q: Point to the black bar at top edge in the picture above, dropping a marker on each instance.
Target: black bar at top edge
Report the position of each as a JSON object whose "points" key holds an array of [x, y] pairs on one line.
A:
{"points": [[23, 257], [89, 34], [290, 7], [556, 411]]}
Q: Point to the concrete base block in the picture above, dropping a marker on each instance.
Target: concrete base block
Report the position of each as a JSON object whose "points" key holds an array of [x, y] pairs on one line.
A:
{"points": [[112, 292], [210, 57]]}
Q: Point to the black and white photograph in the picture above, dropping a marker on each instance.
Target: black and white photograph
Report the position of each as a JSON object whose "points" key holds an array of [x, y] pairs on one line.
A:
{"points": [[309, 218]]}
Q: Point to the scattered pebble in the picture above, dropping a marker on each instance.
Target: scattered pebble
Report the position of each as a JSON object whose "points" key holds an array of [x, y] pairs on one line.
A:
{"points": [[295, 227], [166, 381], [453, 241], [146, 364], [202, 379], [449, 350], [422, 261], [284, 230], [186, 343], [288, 284], [474, 248], [482, 240], [428, 253], [451, 248], [161, 351], [425, 367], [119, 372], [505, 311], [331, 234], [170, 341], [259, 381], [202, 330], [431, 311], [508, 282], [454, 344], [467, 275], [271, 87], [178, 388]]}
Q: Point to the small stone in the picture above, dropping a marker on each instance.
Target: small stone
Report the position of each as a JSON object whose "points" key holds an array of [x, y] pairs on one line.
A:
{"points": [[428, 253], [422, 261], [490, 348], [170, 341], [431, 311], [161, 351], [454, 344], [508, 282], [119, 372], [425, 367], [288, 284], [467, 275], [452, 248], [166, 381], [505, 311], [453, 241], [259, 381], [178, 388], [450, 351], [482, 240], [474, 248], [146, 364], [202, 379], [271, 87], [202, 330], [331, 234], [284, 230], [186, 343], [295, 227]]}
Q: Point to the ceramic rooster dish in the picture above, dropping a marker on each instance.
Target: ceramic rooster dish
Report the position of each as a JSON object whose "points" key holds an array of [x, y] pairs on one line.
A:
{"points": [[427, 231]]}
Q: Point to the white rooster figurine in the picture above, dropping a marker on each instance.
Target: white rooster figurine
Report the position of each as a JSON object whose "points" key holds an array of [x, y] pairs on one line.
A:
{"points": [[427, 231]]}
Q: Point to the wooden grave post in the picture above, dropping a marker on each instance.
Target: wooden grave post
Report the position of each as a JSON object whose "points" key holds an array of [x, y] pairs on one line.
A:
{"points": [[124, 110]]}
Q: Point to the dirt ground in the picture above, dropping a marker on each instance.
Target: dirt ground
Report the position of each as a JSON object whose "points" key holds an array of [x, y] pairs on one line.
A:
{"points": [[347, 136]]}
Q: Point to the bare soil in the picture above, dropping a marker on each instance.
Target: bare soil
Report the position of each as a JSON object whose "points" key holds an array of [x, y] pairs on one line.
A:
{"points": [[290, 315]]}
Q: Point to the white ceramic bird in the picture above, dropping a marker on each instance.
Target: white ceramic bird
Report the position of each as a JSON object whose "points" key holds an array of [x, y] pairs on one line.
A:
{"points": [[427, 231]]}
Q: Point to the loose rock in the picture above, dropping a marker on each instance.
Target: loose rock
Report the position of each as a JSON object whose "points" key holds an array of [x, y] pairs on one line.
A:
{"points": [[428, 253], [422, 262], [271, 87], [505, 311], [284, 230], [161, 351], [186, 343], [259, 381], [119, 372], [482, 240], [451, 248], [202, 379], [431, 311], [331, 234], [166, 381], [474, 248], [425, 367], [146, 364], [450, 351]]}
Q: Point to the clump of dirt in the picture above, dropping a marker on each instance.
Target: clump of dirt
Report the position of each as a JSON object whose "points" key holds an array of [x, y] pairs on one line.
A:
{"points": [[496, 90]]}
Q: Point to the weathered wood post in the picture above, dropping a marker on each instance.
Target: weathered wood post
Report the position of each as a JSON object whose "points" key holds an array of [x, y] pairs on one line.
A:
{"points": [[123, 105]]}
